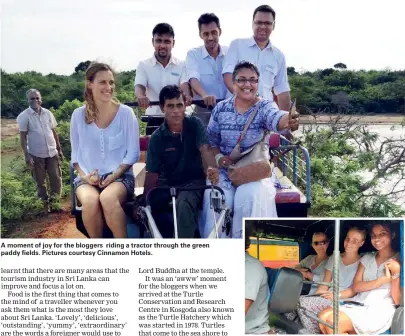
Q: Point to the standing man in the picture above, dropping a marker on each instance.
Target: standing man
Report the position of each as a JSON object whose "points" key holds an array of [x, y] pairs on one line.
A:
{"points": [[178, 155], [158, 71], [261, 52], [204, 66], [41, 147]]}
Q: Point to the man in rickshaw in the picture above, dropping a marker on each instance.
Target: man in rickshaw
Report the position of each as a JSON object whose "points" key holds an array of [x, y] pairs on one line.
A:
{"points": [[177, 152]]}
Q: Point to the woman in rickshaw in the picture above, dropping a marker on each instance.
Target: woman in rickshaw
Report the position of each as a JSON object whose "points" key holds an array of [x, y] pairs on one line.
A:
{"points": [[377, 285], [249, 191], [349, 261], [104, 135]]}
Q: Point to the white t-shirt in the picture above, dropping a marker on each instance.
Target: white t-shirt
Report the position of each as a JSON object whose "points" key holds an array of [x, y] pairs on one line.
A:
{"points": [[257, 290], [346, 272], [153, 76], [105, 149]]}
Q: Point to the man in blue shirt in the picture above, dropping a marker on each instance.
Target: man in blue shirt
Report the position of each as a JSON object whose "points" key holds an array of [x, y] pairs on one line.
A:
{"points": [[204, 66]]}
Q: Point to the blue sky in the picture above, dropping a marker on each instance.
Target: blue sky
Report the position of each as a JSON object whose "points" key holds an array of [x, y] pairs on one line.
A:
{"points": [[54, 36]]}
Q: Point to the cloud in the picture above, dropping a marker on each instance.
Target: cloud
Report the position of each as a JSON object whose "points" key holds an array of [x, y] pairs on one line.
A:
{"points": [[55, 35]]}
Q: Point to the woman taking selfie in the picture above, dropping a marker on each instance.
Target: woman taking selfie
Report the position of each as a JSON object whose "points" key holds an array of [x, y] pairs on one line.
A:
{"points": [[104, 135], [249, 191]]}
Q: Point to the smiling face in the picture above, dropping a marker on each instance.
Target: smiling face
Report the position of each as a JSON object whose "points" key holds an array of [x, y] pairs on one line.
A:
{"points": [[34, 100], [380, 237], [353, 241], [102, 86], [210, 34], [163, 45], [245, 84], [320, 243], [263, 26]]}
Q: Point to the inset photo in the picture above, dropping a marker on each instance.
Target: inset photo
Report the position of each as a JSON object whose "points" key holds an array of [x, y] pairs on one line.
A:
{"points": [[324, 276]]}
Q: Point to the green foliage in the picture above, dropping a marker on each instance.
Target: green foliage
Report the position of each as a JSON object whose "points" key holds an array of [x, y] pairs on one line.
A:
{"points": [[82, 66], [337, 187], [18, 193], [368, 91]]}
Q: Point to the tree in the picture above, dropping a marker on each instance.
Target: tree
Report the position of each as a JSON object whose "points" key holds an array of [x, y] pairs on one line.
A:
{"points": [[291, 71], [341, 153], [82, 66], [340, 66]]}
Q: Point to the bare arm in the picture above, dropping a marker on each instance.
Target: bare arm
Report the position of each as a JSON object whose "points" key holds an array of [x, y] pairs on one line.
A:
{"points": [[80, 172], [23, 142], [140, 91], [364, 286], [248, 303], [347, 293], [207, 156], [327, 278], [196, 86], [284, 101], [56, 136], [121, 170], [185, 87], [394, 267], [228, 82]]}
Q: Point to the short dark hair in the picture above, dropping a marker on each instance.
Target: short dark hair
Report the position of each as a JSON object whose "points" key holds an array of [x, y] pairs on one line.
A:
{"points": [[208, 18], [244, 65], [170, 92], [163, 28], [266, 9]]}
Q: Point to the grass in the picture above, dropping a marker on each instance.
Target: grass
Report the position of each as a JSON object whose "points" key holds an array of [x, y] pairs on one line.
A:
{"points": [[10, 149]]}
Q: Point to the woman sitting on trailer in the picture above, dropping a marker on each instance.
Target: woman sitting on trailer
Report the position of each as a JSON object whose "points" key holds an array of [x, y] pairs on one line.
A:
{"points": [[249, 191], [348, 263], [105, 144], [377, 285]]}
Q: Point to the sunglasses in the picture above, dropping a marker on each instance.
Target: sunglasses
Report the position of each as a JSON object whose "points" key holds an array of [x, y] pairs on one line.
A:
{"points": [[322, 242]]}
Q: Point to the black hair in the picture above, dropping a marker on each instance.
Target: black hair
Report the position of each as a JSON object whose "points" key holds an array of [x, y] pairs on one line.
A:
{"points": [[170, 92], [244, 65], [266, 9], [163, 28], [386, 224], [208, 18]]}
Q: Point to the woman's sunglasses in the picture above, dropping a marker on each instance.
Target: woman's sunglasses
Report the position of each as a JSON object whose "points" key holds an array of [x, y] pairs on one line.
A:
{"points": [[322, 242]]}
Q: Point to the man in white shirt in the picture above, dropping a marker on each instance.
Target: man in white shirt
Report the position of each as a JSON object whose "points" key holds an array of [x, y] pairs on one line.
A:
{"points": [[158, 71], [204, 66], [260, 51], [41, 147]]}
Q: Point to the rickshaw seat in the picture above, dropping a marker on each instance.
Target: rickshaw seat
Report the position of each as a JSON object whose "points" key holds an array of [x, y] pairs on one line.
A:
{"points": [[285, 290]]}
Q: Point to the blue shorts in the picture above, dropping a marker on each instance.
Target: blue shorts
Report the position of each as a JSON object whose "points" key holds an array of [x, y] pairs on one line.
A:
{"points": [[127, 180]]}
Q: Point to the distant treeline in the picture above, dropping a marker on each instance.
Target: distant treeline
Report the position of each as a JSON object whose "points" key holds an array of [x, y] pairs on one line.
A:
{"points": [[331, 90]]}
